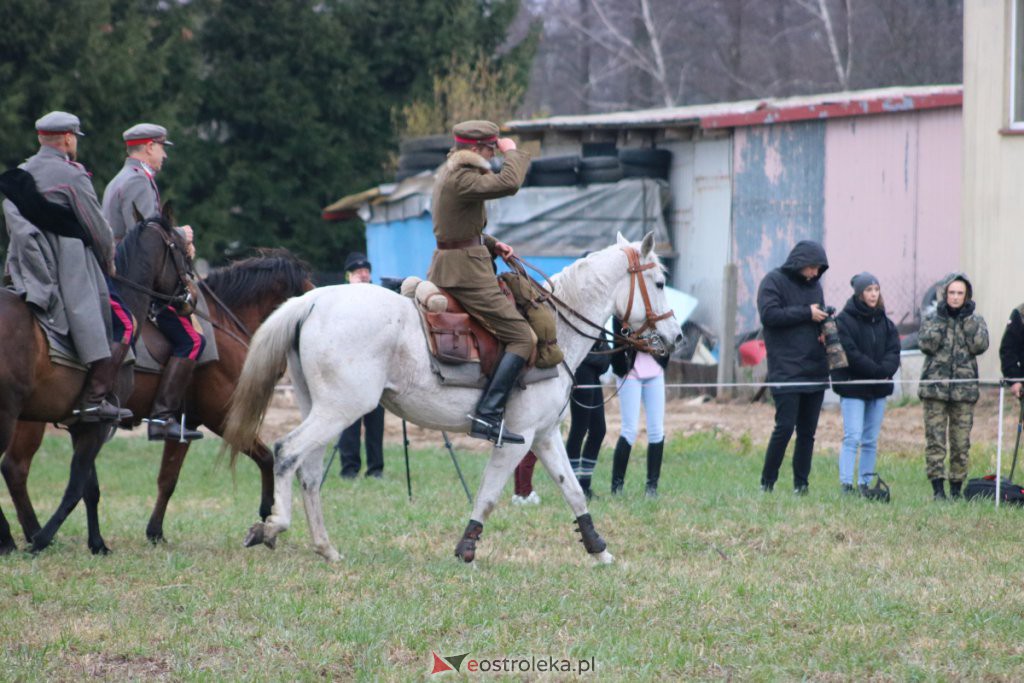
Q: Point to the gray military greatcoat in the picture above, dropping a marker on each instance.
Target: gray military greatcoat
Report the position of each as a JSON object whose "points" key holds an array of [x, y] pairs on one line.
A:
{"points": [[61, 278]]}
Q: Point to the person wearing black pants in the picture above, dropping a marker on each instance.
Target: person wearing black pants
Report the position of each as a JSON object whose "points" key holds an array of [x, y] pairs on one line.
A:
{"points": [[790, 302], [348, 446], [587, 409]]}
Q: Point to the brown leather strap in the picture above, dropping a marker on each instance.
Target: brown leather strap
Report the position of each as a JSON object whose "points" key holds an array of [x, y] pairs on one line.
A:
{"points": [[460, 244]]}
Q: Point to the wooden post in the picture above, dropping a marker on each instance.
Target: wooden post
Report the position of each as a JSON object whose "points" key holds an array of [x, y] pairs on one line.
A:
{"points": [[727, 344]]}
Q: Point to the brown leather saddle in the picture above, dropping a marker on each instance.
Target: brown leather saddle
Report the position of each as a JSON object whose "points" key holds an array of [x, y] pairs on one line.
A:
{"points": [[455, 337]]}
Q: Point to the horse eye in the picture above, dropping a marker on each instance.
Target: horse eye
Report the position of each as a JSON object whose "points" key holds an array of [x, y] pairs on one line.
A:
{"points": [[659, 285]]}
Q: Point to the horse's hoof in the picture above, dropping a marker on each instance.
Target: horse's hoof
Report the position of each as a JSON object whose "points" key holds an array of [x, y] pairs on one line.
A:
{"points": [[467, 555], [255, 535], [100, 549], [604, 557], [7, 547], [156, 539], [329, 554], [466, 547], [270, 542]]}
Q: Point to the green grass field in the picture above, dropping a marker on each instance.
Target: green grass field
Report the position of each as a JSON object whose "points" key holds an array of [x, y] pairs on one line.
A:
{"points": [[713, 581]]}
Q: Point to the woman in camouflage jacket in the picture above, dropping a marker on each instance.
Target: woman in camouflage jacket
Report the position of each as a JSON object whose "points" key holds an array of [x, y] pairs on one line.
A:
{"points": [[951, 338]]}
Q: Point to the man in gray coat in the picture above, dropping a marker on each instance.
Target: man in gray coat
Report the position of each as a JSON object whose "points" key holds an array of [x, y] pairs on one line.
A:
{"points": [[63, 279]]}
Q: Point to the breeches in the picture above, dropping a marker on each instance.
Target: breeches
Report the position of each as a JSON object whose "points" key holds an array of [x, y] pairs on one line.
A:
{"points": [[122, 324], [498, 315], [186, 341]]}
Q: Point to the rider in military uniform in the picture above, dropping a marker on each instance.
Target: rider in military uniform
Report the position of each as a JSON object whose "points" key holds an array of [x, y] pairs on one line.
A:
{"points": [[134, 191], [65, 285], [463, 262]]}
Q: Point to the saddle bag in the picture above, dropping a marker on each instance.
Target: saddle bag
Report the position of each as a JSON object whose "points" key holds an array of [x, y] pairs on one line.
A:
{"points": [[452, 336], [985, 487], [530, 301]]}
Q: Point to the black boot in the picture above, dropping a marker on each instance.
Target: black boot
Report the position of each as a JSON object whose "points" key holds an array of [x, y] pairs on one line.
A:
{"points": [[488, 418], [954, 489], [654, 456], [167, 405], [938, 489], [94, 406], [619, 462], [585, 485]]}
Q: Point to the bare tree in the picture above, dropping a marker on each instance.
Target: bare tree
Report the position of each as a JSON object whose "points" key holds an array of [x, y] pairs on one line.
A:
{"points": [[843, 64]]}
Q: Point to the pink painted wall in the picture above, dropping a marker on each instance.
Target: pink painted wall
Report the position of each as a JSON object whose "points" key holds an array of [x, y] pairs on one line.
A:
{"points": [[892, 204]]}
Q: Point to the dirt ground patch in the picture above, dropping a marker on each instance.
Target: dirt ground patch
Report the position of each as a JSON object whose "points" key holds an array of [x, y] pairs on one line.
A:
{"points": [[902, 431]]}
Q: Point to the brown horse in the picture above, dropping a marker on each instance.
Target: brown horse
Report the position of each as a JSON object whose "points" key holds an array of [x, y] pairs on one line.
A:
{"points": [[244, 294], [36, 390]]}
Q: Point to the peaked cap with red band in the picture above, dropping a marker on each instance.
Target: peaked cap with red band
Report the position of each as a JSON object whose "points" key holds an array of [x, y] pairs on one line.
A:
{"points": [[476, 133], [141, 133], [57, 122]]}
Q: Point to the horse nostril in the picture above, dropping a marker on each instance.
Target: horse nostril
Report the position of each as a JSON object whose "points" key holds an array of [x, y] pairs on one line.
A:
{"points": [[679, 338]]}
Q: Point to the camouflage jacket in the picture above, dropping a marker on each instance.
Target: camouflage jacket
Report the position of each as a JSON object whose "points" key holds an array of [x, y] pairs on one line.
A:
{"points": [[951, 346]]}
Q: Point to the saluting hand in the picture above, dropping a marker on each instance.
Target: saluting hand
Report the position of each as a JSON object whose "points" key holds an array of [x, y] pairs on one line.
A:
{"points": [[506, 145]]}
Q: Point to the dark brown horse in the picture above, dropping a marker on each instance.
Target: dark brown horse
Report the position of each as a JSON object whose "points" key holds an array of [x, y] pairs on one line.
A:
{"points": [[35, 390], [250, 290]]}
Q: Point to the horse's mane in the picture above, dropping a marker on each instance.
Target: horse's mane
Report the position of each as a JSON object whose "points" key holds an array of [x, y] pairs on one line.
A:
{"points": [[242, 282]]}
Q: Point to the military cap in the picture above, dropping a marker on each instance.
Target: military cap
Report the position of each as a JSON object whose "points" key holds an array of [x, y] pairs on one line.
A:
{"points": [[59, 122], [141, 133], [355, 261], [476, 133]]}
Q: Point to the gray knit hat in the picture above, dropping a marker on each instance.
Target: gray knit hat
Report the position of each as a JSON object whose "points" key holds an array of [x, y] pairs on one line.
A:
{"points": [[862, 281]]}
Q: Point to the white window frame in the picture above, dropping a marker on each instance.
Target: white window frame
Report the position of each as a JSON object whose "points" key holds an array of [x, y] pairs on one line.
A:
{"points": [[1016, 110]]}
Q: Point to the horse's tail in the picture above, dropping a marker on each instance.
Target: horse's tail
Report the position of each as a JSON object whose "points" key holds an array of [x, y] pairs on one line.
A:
{"points": [[265, 362]]}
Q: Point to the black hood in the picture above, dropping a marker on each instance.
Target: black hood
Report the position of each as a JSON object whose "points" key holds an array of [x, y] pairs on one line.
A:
{"points": [[806, 253]]}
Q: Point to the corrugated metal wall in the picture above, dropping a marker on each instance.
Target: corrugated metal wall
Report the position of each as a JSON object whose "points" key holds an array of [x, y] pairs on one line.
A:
{"points": [[892, 204], [778, 185]]}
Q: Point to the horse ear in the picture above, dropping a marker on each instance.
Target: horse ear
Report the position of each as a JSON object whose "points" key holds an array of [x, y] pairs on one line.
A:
{"points": [[647, 246], [136, 216], [620, 240], [168, 212]]}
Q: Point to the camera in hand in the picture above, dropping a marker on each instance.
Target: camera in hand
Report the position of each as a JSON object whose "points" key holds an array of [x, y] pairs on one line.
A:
{"points": [[833, 347], [392, 283]]}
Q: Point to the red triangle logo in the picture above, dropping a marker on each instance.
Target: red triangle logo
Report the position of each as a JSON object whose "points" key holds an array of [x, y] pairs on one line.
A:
{"points": [[440, 665]]}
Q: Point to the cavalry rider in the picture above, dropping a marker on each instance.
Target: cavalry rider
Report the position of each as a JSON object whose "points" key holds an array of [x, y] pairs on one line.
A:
{"points": [[66, 286], [462, 263], [134, 190]]}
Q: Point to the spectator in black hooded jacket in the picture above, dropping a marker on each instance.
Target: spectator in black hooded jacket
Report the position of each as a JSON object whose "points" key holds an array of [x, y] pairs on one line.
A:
{"points": [[791, 304], [872, 347]]}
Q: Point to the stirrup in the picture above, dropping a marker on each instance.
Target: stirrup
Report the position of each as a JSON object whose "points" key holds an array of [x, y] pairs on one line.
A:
{"points": [[488, 432], [103, 411]]}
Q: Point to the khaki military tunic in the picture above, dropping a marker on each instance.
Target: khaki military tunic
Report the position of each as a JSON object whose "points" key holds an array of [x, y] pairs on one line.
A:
{"points": [[464, 183]]}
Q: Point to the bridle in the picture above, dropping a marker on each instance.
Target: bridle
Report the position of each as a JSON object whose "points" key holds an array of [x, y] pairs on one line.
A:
{"points": [[635, 339], [651, 318], [182, 270]]}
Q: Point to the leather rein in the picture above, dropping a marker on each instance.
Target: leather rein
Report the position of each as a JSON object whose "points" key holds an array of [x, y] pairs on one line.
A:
{"points": [[632, 339], [183, 269]]}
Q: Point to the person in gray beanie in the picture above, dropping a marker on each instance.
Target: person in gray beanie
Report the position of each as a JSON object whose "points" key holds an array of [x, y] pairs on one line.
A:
{"points": [[872, 347]]}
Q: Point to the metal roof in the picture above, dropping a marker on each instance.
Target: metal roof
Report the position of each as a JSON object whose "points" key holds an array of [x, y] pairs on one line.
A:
{"points": [[757, 112]]}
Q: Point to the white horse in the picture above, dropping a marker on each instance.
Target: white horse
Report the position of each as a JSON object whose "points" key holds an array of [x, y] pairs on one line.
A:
{"points": [[351, 347]]}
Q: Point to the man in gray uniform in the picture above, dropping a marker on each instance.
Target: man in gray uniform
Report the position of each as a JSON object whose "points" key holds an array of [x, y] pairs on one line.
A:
{"points": [[63, 279], [134, 191]]}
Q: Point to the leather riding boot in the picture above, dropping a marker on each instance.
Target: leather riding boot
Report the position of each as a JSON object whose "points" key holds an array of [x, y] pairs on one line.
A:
{"points": [[100, 381], [655, 452], [488, 419], [167, 405], [619, 462]]}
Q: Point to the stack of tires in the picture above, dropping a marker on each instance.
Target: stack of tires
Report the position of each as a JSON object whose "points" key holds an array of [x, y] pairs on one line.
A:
{"points": [[422, 154], [600, 169], [645, 163], [554, 171]]}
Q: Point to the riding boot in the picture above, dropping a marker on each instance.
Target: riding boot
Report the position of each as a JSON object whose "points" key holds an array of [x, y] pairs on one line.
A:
{"points": [[167, 405], [654, 456], [619, 462], [488, 418], [94, 406]]}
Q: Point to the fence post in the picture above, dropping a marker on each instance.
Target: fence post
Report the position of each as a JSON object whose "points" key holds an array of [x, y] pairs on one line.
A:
{"points": [[727, 344]]}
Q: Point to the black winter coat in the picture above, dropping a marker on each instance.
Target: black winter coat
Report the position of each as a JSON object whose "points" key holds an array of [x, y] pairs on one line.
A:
{"points": [[872, 347], [1011, 347], [790, 334], [594, 365]]}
